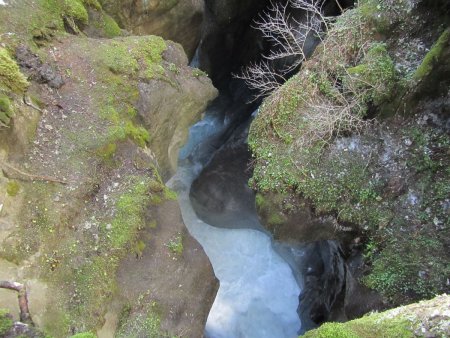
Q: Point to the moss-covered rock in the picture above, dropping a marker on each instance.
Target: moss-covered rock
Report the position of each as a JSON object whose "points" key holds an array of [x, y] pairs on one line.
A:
{"points": [[6, 111], [104, 148], [434, 56], [429, 318], [312, 144], [10, 76], [175, 20], [76, 10]]}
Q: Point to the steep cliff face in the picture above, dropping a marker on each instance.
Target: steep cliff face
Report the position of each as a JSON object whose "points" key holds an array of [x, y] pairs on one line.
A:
{"points": [[177, 20], [83, 204], [324, 168]]}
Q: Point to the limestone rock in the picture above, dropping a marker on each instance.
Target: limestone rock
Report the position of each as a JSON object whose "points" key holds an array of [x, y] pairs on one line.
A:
{"points": [[170, 107], [177, 20]]}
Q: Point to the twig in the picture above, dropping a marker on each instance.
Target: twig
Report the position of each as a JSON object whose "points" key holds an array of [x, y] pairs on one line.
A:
{"points": [[27, 101], [339, 5], [25, 316], [33, 177]]}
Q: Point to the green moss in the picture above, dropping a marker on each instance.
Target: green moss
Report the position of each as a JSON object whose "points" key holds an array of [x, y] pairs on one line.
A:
{"points": [[375, 75], [332, 330], [145, 323], [170, 195], [125, 56], [434, 56], [76, 10], [259, 200], [6, 112], [92, 3], [107, 26], [95, 282], [276, 218], [107, 151], [6, 321], [122, 127], [129, 215], [150, 53], [12, 188], [376, 13], [139, 248], [156, 200], [198, 73], [84, 335], [117, 58], [5, 104], [409, 265], [110, 27], [10, 76], [374, 325]]}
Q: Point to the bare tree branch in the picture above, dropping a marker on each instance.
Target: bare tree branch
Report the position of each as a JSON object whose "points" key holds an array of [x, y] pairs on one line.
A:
{"points": [[289, 37], [25, 316], [261, 77], [31, 176]]}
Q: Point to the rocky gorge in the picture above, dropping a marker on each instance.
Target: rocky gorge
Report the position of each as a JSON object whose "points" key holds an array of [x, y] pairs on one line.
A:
{"points": [[275, 231]]}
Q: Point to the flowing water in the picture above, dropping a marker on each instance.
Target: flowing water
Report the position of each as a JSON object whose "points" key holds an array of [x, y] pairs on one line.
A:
{"points": [[258, 294]]}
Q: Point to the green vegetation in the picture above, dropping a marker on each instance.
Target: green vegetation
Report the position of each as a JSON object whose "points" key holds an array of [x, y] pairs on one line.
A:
{"points": [[84, 335], [293, 143], [375, 75], [139, 248], [129, 213], [10, 76], [93, 3], [117, 58], [122, 127], [366, 327], [121, 62], [433, 56], [110, 27], [12, 188], [144, 323], [410, 265], [76, 10], [198, 73], [6, 321], [6, 111], [175, 245], [420, 319], [125, 56]]}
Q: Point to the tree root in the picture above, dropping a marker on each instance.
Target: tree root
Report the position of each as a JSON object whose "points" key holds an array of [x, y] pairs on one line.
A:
{"points": [[31, 176]]}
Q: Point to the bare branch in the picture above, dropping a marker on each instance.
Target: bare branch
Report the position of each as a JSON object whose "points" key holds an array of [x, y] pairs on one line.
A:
{"points": [[25, 316], [33, 177], [262, 78], [289, 37]]}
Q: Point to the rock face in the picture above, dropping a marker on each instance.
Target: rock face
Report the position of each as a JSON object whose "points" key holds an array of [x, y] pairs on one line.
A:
{"points": [[330, 289], [177, 20], [425, 319], [170, 107], [191, 285], [382, 190], [83, 204]]}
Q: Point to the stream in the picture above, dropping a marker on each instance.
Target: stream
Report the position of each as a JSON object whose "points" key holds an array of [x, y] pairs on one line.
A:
{"points": [[258, 294]]}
